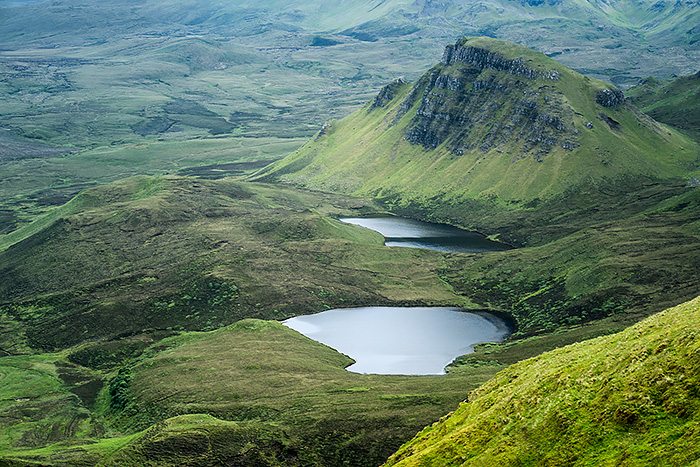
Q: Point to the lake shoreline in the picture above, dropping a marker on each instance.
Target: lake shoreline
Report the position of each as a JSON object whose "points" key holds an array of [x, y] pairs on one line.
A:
{"points": [[410, 233]]}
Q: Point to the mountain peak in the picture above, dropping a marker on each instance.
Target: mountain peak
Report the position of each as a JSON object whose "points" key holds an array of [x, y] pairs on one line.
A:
{"points": [[492, 118]]}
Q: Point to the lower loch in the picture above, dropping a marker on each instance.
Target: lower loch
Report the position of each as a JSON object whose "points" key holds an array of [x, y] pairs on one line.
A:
{"points": [[397, 340]]}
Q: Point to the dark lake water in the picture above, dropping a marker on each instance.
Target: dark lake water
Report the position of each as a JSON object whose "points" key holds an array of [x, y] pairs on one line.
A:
{"points": [[396, 340], [410, 233]]}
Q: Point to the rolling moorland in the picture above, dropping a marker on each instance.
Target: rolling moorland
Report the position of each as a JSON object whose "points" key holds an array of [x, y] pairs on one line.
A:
{"points": [[138, 319]]}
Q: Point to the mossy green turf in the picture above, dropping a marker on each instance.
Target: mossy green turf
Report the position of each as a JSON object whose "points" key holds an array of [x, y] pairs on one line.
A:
{"points": [[626, 399], [125, 265], [103, 281], [367, 152], [34, 186], [178, 254]]}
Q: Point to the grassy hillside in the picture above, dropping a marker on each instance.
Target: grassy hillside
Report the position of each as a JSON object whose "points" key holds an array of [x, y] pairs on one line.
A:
{"points": [[626, 399], [493, 121], [596, 194], [89, 292], [104, 303], [173, 252], [37, 185], [675, 103], [131, 318]]}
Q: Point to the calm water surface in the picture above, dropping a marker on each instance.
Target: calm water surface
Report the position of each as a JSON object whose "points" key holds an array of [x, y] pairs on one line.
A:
{"points": [[395, 340], [410, 233]]}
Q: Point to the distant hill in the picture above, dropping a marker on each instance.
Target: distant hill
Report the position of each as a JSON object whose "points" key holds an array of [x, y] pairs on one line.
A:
{"points": [[581, 32], [493, 120], [627, 399], [503, 140], [675, 102], [86, 59]]}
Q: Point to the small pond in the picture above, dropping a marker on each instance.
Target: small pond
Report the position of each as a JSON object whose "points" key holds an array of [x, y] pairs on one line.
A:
{"points": [[411, 233], [397, 340]]}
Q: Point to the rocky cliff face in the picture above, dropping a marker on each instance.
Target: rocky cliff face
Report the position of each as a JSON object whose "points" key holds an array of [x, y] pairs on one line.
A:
{"points": [[484, 59], [478, 99], [388, 93]]}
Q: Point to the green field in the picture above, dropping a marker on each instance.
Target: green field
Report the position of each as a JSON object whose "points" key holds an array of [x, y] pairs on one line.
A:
{"points": [[75, 77], [674, 102]]}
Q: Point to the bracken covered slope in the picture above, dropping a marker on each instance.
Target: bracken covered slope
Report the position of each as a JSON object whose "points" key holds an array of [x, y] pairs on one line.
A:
{"points": [[627, 399], [172, 252]]}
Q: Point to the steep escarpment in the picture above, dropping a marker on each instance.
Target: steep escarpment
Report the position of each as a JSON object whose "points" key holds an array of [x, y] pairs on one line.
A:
{"points": [[467, 106], [493, 120]]}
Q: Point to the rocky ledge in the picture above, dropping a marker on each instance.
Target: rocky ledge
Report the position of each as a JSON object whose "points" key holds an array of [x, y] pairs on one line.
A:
{"points": [[387, 93], [466, 106], [484, 59]]}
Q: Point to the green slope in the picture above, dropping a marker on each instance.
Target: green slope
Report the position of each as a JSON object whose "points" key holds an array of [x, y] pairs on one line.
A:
{"points": [[125, 272], [675, 102], [626, 399], [255, 391], [97, 286], [267, 375]]}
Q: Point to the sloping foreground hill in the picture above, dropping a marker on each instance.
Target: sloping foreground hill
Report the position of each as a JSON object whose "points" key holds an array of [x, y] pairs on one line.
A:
{"points": [[627, 399], [101, 291], [493, 124]]}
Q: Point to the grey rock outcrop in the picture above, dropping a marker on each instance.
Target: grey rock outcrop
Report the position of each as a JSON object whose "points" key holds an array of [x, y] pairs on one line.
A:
{"points": [[388, 93], [485, 59], [610, 97]]}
